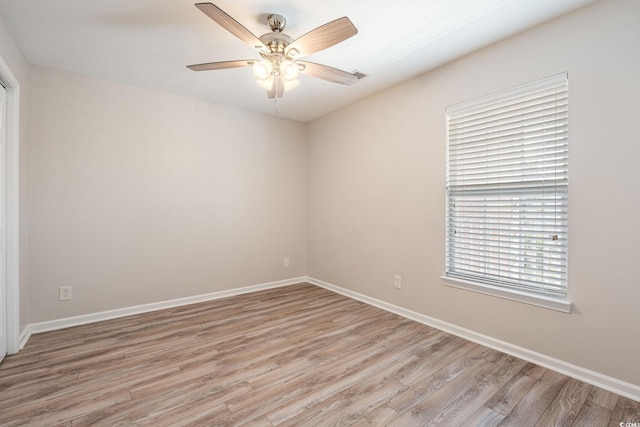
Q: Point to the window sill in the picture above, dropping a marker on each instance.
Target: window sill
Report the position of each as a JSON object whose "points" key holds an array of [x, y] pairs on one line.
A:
{"points": [[558, 304]]}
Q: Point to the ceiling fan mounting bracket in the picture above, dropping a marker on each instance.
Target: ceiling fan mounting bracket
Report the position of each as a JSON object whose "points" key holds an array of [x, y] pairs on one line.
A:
{"points": [[277, 23]]}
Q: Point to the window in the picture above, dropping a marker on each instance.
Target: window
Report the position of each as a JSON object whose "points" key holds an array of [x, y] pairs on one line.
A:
{"points": [[507, 193]]}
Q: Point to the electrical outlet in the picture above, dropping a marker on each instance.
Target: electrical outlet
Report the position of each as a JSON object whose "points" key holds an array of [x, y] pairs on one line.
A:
{"points": [[397, 282], [285, 262], [64, 293]]}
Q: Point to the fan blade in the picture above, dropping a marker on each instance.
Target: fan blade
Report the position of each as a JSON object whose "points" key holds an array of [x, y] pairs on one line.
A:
{"points": [[325, 72], [277, 89], [222, 65], [321, 38], [231, 25]]}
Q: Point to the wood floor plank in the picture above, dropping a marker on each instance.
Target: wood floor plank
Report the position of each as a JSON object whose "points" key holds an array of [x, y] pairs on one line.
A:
{"points": [[344, 407], [483, 417], [48, 386], [598, 409], [454, 403], [350, 399], [603, 398], [565, 407], [424, 387], [381, 416], [510, 394], [592, 414], [308, 389], [291, 356], [531, 407], [9, 402], [626, 412]]}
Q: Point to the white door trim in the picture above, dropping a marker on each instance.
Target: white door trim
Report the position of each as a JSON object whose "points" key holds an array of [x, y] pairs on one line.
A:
{"points": [[12, 166]]}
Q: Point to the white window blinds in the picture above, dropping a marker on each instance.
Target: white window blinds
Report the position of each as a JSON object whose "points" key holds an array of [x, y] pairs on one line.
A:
{"points": [[507, 188]]}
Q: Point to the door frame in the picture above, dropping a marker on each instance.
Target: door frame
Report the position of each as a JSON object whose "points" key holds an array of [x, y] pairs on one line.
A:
{"points": [[12, 198]]}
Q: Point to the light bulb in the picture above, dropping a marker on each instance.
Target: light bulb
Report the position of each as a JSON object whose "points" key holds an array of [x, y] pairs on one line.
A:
{"points": [[290, 84], [289, 70], [266, 83], [262, 70]]}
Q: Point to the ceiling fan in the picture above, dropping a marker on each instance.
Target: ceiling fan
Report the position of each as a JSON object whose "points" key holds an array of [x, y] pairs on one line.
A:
{"points": [[278, 69]]}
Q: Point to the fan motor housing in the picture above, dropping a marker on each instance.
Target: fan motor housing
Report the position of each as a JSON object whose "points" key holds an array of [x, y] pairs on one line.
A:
{"points": [[276, 42]]}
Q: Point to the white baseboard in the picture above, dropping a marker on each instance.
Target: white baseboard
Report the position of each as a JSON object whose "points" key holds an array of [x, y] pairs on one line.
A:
{"points": [[24, 337], [84, 319], [632, 391]]}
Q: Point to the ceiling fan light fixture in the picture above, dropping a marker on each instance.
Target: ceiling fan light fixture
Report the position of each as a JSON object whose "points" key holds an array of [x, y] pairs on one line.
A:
{"points": [[263, 70], [267, 83], [290, 84], [289, 70]]}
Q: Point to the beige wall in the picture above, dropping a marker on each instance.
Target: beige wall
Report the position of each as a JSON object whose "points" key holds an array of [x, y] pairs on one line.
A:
{"points": [[137, 196], [376, 190], [19, 67]]}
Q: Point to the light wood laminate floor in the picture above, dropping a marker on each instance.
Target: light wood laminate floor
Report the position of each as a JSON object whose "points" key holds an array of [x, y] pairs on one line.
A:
{"points": [[292, 356]]}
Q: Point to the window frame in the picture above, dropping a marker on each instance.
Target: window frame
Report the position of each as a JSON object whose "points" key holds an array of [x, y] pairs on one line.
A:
{"points": [[540, 294]]}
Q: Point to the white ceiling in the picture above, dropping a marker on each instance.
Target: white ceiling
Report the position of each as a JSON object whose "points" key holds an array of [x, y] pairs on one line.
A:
{"points": [[148, 43]]}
